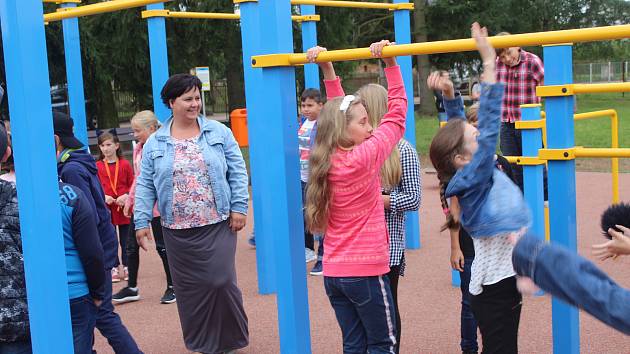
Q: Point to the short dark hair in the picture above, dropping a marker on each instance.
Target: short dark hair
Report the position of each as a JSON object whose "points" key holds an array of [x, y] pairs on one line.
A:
{"points": [[313, 94], [177, 85], [616, 214]]}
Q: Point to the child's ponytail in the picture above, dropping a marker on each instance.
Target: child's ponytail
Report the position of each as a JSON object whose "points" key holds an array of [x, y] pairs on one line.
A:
{"points": [[452, 220]]}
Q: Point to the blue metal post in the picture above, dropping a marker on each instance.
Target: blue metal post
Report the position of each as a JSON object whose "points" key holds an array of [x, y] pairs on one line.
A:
{"points": [[26, 65], [562, 214], [402, 26], [257, 128], [74, 75], [159, 60], [309, 40], [282, 191], [533, 174]]}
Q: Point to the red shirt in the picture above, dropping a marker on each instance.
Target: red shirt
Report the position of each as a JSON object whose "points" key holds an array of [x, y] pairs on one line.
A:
{"points": [[123, 184], [520, 84]]}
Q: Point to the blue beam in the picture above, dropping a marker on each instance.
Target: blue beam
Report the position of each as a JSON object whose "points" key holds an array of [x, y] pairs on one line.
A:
{"points": [[26, 64], [282, 190], [158, 54], [402, 26], [74, 75], [258, 155], [533, 175], [562, 214], [309, 40]]}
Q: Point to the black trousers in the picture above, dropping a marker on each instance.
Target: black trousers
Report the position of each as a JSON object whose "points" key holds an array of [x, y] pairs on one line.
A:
{"points": [[498, 312], [133, 252], [393, 275]]}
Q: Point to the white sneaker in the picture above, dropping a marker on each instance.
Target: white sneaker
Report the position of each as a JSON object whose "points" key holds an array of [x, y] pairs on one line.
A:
{"points": [[115, 276], [310, 255]]}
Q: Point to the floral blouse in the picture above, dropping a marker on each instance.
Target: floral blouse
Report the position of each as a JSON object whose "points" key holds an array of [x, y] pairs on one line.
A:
{"points": [[193, 199]]}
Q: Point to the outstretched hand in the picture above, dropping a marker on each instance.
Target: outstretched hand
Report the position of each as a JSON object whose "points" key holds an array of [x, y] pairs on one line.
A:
{"points": [[486, 51], [440, 80], [619, 245], [327, 67], [376, 49]]}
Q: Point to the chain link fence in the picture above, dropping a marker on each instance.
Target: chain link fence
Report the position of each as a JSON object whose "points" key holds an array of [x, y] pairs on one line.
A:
{"points": [[601, 72]]}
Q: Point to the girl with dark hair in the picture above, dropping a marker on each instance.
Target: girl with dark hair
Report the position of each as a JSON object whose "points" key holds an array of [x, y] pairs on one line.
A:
{"points": [[464, 158], [193, 167], [116, 177]]}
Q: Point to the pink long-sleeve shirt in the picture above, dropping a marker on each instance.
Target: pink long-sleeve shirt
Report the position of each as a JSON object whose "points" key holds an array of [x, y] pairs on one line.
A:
{"points": [[356, 240]]}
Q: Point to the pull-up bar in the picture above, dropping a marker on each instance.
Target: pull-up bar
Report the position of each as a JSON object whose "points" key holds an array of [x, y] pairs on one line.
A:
{"points": [[99, 8], [452, 46], [354, 4], [211, 15], [572, 89]]}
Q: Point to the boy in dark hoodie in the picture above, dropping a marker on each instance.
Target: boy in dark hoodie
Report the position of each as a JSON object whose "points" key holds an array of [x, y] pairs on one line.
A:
{"points": [[84, 266], [76, 166]]}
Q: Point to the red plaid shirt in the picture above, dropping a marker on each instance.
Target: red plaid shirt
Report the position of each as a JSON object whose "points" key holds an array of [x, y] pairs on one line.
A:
{"points": [[520, 84]]}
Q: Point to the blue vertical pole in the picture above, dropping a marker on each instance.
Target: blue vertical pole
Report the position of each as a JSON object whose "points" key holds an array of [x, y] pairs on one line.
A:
{"points": [[74, 74], [26, 63], [560, 134], [402, 26], [309, 40], [282, 191], [533, 174], [159, 60], [256, 126]]}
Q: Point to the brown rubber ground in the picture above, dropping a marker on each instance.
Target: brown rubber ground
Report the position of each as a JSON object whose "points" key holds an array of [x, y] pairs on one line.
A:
{"points": [[429, 304]]}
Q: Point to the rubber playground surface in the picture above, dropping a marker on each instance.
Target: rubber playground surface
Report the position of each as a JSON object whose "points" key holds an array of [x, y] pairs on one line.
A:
{"points": [[429, 304]]}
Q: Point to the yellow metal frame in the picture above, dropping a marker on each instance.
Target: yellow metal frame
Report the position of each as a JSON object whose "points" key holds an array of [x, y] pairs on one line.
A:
{"points": [[451, 46], [355, 4], [212, 15], [572, 89], [98, 8], [59, 2]]}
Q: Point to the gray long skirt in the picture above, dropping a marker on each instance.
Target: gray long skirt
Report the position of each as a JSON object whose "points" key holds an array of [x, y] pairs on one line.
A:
{"points": [[209, 303]]}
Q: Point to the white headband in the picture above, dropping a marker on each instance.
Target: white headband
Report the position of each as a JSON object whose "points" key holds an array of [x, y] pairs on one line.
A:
{"points": [[346, 103]]}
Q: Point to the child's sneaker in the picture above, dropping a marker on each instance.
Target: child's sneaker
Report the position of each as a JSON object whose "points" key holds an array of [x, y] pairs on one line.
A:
{"points": [[252, 240], [126, 294], [169, 296], [318, 269], [126, 273], [115, 276]]}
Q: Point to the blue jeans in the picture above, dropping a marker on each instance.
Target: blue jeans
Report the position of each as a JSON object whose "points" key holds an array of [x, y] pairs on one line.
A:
{"points": [[16, 347], [511, 144], [468, 321], [111, 327], [83, 313], [365, 312]]}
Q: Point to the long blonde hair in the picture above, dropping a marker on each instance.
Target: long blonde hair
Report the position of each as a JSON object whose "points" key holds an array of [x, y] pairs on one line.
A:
{"points": [[331, 134], [146, 119], [375, 98]]}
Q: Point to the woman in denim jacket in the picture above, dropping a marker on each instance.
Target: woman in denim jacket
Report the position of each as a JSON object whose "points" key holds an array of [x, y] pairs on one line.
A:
{"points": [[194, 168], [492, 208]]}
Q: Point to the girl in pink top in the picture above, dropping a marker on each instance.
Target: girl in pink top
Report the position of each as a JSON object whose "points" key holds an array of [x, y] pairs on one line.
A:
{"points": [[344, 201], [143, 124]]}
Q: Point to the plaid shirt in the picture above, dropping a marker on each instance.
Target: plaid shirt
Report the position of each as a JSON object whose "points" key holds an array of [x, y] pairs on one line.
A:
{"points": [[520, 84], [404, 197]]}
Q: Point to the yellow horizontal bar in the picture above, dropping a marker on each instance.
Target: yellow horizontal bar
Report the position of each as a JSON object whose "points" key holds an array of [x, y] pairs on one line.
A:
{"points": [[191, 15], [98, 8], [602, 152], [525, 160], [59, 2], [572, 89], [556, 154], [211, 15], [511, 159], [452, 46], [530, 124], [355, 4]]}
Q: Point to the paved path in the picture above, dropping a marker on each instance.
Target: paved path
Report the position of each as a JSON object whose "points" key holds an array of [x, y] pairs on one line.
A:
{"points": [[429, 305]]}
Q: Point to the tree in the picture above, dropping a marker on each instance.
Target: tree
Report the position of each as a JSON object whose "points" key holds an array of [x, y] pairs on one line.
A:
{"points": [[423, 65]]}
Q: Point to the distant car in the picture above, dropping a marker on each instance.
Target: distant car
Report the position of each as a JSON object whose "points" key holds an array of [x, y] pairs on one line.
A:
{"points": [[59, 100]]}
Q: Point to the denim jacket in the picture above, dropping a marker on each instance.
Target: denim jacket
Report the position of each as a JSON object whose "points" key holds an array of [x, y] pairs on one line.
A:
{"points": [[491, 204], [226, 168], [574, 280]]}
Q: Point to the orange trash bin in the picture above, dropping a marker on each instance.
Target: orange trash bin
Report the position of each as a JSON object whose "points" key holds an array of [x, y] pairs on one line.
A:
{"points": [[238, 122]]}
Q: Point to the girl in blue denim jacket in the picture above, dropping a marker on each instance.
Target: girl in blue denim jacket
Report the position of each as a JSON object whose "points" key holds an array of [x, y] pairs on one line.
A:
{"points": [[492, 207]]}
